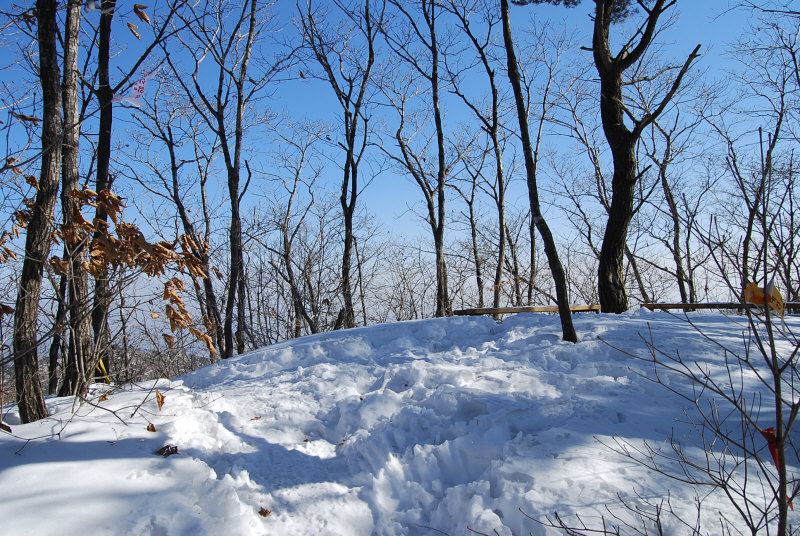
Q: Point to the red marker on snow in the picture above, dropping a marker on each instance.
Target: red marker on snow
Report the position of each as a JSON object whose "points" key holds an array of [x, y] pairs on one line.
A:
{"points": [[769, 435]]}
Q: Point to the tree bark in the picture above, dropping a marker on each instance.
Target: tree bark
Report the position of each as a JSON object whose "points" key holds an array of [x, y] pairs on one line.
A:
{"points": [[57, 343], [350, 88], [103, 180], [232, 156], [622, 141], [432, 188], [30, 397], [556, 269], [443, 305], [79, 354]]}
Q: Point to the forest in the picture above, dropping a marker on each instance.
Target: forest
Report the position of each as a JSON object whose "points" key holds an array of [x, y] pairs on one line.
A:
{"points": [[186, 181]]}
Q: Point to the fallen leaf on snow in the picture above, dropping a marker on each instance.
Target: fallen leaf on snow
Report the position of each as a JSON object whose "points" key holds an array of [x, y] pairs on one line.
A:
{"points": [[167, 450]]}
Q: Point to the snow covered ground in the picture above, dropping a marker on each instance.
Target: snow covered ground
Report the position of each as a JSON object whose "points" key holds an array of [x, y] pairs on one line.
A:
{"points": [[442, 426]]}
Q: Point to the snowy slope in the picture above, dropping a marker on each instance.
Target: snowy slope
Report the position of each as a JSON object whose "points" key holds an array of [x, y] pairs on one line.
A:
{"points": [[429, 427]]}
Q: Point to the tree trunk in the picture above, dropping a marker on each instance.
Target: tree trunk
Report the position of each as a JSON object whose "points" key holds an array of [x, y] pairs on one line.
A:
{"points": [[233, 164], [611, 287], [443, 305], [37, 239], [348, 203], [79, 356], [501, 213], [235, 239], [556, 269], [677, 253], [622, 141], [102, 290], [57, 343], [476, 257]]}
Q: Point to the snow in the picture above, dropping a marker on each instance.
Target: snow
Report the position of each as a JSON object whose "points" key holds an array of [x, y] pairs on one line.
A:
{"points": [[442, 426]]}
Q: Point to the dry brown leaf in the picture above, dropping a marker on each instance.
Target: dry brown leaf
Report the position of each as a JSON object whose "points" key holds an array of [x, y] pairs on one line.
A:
{"points": [[30, 179], [8, 253], [23, 217], [86, 196], [167, 450], [206, 338], [153, 315], [59, 266], [188, 244], [170, 340], [151, 427], [79, 221], [29, 18], [94, 267], [27, 118], [139, 10], [6, 309], [159, 399], [195, 267], [177, 319], [257, 417], [263, 512], [100, 225], [112, 203], [132, 27], [103, 397], [170, 294]]}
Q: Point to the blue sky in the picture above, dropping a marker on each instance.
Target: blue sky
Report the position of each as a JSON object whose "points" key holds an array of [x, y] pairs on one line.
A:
{"points": [[708, 22]]}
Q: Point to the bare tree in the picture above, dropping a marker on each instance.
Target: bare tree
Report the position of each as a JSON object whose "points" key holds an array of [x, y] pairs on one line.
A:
{"points": [[622, 139], [480, 32], [667, 145], [226, 34], [38, 236], [80, 350], [766, 105], [473, 166], [531, 165], [292, 205], [180, 176], [416, 42], [105, 92], [344, 48]]}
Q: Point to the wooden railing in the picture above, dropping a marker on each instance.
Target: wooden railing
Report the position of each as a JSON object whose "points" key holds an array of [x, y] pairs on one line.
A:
{"points": [[789, 307], [526, 309]]}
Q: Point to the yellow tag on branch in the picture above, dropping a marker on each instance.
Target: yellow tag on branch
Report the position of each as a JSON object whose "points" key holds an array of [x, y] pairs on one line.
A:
{"points": [[755, 295]]}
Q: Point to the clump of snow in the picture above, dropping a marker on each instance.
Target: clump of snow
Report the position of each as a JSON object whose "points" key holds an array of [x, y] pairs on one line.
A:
{"points": [[428, 427]]}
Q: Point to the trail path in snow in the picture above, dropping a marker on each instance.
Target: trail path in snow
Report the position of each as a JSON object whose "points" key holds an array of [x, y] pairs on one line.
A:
{"points": [[428, 427]]}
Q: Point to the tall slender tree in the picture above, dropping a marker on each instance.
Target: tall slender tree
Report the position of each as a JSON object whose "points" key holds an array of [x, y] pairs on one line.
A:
{"points": [[480, 35], [77, 295], [416, 42], [105, 91], [556, 269], [346, 56], [38, 236], [226, 35]]}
